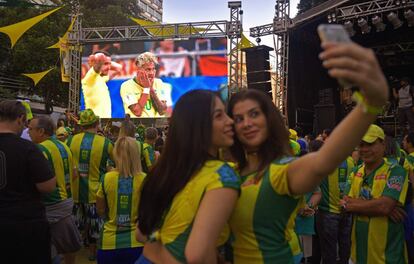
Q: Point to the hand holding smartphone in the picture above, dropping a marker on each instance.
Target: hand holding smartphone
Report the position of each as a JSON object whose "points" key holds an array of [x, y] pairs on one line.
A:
{"points": [[336, 34]]}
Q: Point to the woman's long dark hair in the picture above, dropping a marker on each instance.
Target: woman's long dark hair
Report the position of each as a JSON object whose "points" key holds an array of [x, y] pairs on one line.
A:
{"points": [[277, 143], [185, 151]]}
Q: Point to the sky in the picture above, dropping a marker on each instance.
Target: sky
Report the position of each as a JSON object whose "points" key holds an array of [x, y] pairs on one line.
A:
{"points": [[255, 13]]}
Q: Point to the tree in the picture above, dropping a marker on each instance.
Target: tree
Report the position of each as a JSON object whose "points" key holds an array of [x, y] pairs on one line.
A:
{"points": [[30, 55], [305, 5]]}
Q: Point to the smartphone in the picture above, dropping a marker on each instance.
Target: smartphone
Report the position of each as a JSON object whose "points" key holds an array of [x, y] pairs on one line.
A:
{"points": [[335, 33]]}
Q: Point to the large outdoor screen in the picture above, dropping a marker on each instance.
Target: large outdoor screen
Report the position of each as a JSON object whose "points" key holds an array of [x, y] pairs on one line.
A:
{"points": [[182, 66]]}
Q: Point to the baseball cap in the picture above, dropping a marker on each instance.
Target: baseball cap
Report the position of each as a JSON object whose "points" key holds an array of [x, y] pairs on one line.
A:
{"points": [[374, 132], [61, 131]]}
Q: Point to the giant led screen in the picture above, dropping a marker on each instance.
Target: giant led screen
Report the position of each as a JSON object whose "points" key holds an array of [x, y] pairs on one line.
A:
{"points": [[145, 79]]}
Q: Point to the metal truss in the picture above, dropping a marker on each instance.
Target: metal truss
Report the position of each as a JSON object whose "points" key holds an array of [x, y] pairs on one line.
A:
{"points": [[234, 30], [394, 48], [80, 36], [279, 28], [75, 59], [369, 8], [154, 32]]}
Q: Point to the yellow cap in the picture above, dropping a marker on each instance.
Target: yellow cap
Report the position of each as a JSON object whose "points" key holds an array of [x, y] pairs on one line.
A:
{"points": [[374, 132], [61, 131], [293, 134]]}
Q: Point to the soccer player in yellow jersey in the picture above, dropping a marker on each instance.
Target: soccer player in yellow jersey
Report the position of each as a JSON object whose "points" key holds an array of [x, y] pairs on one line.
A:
{"points": [[374, 191], [59, 204], [117, 202], [273, 183], [144, 95], [94, 88], [189, 194]]}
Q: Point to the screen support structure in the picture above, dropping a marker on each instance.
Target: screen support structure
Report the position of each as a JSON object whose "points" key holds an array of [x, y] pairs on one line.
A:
{"points": [[279, 28], [79, 36]]}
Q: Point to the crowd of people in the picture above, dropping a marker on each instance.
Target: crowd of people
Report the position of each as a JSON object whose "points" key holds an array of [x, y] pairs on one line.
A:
{"points": [[227, 183]]}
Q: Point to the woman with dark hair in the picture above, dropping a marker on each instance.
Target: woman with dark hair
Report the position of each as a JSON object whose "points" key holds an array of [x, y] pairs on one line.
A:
{"points": [[189, 194], [273, 183]]}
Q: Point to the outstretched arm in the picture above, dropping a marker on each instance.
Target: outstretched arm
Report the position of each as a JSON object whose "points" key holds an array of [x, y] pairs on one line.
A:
{"points": [[360, 66]]}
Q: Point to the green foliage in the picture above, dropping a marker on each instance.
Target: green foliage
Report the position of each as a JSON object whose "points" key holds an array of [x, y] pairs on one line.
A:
{"points": [[30, 55], [305, 5]]}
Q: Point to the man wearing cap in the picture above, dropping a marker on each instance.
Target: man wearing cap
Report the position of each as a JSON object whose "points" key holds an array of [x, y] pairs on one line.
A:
{"points": [[374, 190], [62, 134], [91, 152], [59, 204]]}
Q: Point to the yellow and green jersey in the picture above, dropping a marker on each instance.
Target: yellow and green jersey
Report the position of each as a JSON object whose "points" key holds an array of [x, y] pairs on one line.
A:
{"points": [[147, 157], [176, 227], [131, 92], [90, 154], [60, 160], [377, 239], [409, 166], [121, 195], [333, 187], [96, 93], [295, 146], [264, 218]]}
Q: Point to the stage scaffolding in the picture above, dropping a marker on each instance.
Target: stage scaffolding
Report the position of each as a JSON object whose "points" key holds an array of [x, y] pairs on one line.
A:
{"points": [[80, 36], [279, 28]]}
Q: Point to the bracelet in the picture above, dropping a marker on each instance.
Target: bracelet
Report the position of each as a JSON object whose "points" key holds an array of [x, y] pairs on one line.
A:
{"points": [[366, 108], [146, 90]]}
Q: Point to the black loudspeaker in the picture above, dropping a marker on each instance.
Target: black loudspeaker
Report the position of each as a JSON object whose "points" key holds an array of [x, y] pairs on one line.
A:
{"points": [[258, 68], [325, 117]]}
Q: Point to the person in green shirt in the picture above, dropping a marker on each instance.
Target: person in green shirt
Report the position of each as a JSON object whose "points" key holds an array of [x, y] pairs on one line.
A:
{"points": [[374, 192]]}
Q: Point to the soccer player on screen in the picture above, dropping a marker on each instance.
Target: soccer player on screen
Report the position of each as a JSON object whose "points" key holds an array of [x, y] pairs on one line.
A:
{"points": [[144, 95], [94, 88]]}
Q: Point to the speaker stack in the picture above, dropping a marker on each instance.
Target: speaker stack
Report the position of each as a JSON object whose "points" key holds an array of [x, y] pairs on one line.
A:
{"points": [[258, 68]]}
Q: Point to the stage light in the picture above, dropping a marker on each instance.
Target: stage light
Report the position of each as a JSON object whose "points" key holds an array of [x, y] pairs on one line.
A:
{"points": [[363, 24], [258, 40], [234, 4], [409, 15], [378, 23], [398, 2], [333, 17], [329, 18], [394, 20], [349, 26]]}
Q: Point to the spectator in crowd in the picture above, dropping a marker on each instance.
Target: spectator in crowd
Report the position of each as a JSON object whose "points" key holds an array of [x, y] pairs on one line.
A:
{"points": [[25, 174], [117, 202], [408, 145], [333, 226], [189, 194], [29, 116], [62, 134], [59, 204], [274, 181], [91, 153], [374, 194], [172, 65], [404, 95], [144, 95], [149, 158]]}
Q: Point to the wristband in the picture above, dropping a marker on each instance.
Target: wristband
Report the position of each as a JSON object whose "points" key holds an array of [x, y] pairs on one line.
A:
{"points": [[146, 91], [366, 108]]}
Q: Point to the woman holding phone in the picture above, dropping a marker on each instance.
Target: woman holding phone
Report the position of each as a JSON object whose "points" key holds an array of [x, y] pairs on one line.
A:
{"points": [[273, 183]]}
